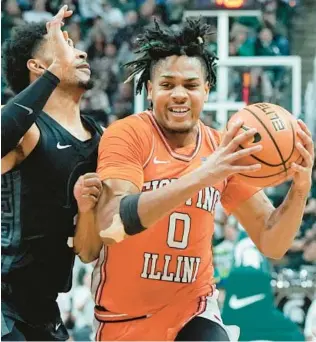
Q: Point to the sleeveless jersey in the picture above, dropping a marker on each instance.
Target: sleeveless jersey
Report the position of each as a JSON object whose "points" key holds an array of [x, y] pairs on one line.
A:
{"points": [[172, 259], [39, 209]]}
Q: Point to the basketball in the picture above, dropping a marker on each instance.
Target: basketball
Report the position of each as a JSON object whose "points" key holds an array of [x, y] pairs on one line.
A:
{"points": [[276, 132]]}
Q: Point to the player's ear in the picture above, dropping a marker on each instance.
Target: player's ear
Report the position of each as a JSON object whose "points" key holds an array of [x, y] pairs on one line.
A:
{"points": [[207, 89], [36, 67], [149, 90]]}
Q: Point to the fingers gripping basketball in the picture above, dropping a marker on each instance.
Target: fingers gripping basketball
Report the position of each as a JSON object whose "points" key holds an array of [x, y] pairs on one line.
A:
{"points": [[277, 133]]}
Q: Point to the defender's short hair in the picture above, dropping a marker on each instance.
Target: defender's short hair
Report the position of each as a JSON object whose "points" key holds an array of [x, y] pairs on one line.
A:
{"points": [[17, 50]]}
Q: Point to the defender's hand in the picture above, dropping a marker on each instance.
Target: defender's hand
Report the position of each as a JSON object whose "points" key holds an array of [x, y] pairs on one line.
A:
{"points": [[224, 161], [63, 57], [87, 191]]}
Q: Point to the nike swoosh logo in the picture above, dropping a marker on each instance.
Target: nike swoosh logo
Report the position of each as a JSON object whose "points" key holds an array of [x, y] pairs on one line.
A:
{"points": [[30, 110], [57, 326], [61, 147], [156, 161], [238, 303]]}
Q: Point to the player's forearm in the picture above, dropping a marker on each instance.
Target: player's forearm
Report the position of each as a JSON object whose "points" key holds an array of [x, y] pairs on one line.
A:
{"points": [[21, 112], [87, 243], [154, 205], [283, 224]]}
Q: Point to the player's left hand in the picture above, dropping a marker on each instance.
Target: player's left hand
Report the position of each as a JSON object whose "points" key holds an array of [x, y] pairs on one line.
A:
{"points": [[87, 191], [303, 173]]}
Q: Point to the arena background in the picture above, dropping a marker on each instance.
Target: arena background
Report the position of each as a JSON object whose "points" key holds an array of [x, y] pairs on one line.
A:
{"points": [[267, 52]]}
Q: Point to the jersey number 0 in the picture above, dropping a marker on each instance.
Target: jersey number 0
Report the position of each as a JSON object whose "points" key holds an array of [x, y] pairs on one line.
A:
{"points": [[175, 220]]}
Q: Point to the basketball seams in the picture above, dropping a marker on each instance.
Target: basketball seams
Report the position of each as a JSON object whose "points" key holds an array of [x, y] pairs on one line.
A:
{"points": [[276, 145], [274, 174], [293, 138], [271, 137], [264, 162]]}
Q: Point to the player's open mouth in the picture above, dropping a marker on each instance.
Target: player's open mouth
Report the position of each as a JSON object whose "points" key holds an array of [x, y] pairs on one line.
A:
{"points": [[179, 111]]}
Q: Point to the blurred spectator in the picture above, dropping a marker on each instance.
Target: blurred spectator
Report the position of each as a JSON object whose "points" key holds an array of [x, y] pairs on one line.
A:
{"points": [[10, 16], [95, 98], [97, 39], [268, 79], [95, 103], [124, 5], [38, 13], [90, 9], [265, 46], [112, 16], [123, 102], [309, 254], [83, 306], [129, 31], [74, 32], [105, 66], [146, 12], [243, 45], [223, 252], [175, 9]]}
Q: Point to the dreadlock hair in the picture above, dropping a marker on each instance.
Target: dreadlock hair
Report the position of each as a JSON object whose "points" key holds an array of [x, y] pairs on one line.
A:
{"points": [[17, 50], [157, 43]]}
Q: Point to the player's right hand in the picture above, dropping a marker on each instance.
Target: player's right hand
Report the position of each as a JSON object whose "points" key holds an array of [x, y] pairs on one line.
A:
{"points": [[224, 161], [87, 191], [63, 57]]}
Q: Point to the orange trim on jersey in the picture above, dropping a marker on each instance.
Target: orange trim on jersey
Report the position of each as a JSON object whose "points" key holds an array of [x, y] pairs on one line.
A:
{"points": [[215, 145], [108, 316], [151, 153], [169, 149], [202, 306], [138, 115], [98, 292], [99, 331], [95, 273], [213, 140]]}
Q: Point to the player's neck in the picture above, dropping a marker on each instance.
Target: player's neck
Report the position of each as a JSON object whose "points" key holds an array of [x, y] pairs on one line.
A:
{"points": [[64, 107], [178, 140]]}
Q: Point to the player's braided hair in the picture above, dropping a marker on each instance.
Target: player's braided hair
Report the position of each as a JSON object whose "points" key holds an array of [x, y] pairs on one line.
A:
{"points": [[157, 43]]}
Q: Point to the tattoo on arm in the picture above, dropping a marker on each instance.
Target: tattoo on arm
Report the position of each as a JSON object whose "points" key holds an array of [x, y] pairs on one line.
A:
{"points": [[275, 215]]}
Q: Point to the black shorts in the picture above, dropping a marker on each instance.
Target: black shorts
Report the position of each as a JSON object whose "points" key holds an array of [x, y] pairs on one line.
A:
{"points": [[26, 316], [21, 331], [202, 329]]}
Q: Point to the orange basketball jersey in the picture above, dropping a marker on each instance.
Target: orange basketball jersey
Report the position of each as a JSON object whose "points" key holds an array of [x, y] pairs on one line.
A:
{"points": [[172, 259]]}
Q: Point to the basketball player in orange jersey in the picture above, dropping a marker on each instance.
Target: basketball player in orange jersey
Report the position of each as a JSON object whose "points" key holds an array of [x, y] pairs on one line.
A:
{"points": [[163, 173]]}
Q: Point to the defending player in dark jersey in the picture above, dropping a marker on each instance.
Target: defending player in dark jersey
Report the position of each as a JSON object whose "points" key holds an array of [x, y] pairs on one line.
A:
{"points": [[46, 146]]}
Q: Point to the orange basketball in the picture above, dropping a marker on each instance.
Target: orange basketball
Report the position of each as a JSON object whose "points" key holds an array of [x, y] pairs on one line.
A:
{"points": [[277, 134]]}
